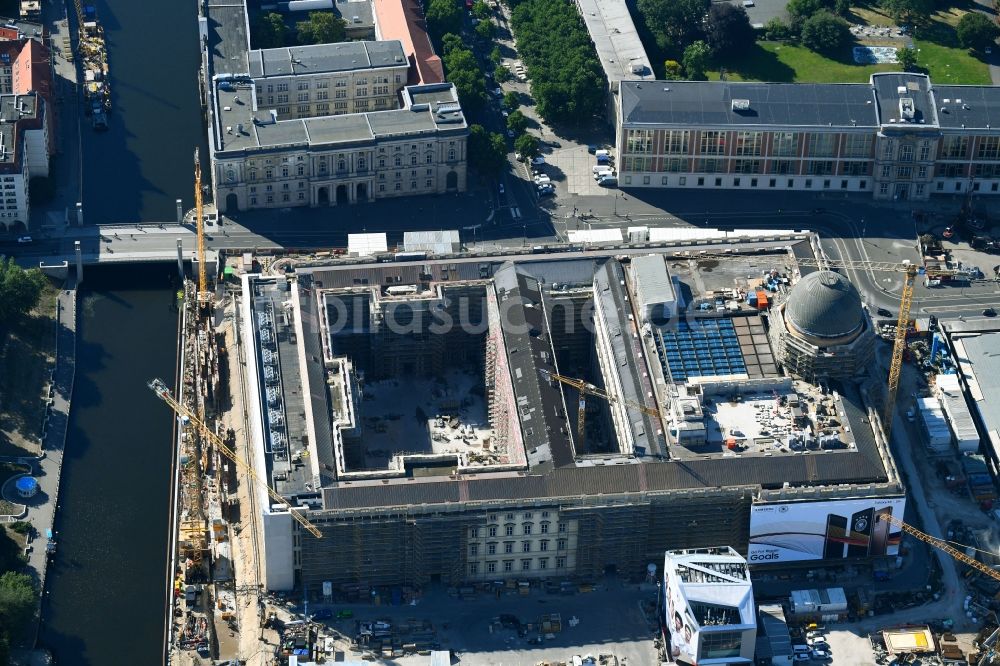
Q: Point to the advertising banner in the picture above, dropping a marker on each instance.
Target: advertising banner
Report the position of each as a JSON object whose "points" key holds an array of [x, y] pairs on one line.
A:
{"points": [[682, 627], [837, 529]]}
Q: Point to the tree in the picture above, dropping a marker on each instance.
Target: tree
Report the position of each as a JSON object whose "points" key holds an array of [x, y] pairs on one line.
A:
{"points": [[462, 69], [496, 56], [908, 11], [801, 10], [527, 145], [451, 42], [728, 30], [674, 23], [825, 33], [907, 58], [485, 30], [480, 9], [568, 82], [696, 61], [18, 599], [517, 122], [269, 31], [321, 28], [776, 29], [501, 74], [487, 151], [512, 100], [672, 70], [976, 31], [19, 289], [443, 16]]}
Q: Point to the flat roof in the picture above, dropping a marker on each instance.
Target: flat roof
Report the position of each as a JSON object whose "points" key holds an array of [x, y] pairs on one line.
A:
{"points": [[228, 41], [326, 58], [967, 107], [438, 111], [981, 367], [891, 87], [616, 39], [710, 103]]}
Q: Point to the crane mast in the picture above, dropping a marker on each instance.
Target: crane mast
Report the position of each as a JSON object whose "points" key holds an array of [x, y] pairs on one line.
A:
{"points": [[163, 393]]}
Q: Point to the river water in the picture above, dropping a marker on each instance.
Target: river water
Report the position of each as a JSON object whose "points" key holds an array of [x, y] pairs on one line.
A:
{"points": [[106, 583], [144, 162]]}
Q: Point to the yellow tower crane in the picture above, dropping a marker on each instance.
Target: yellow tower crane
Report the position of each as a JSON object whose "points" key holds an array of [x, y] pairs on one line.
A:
{"points": [[163, 393], [940, 544], [199, 211], [909, 271], [585, 389]]}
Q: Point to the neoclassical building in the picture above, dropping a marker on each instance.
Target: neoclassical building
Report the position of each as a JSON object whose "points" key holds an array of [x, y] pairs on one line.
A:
{"points": [[323, 125]]}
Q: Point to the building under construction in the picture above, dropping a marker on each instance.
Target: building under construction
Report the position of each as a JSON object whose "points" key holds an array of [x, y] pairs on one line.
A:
{"points": [[416, 411]]}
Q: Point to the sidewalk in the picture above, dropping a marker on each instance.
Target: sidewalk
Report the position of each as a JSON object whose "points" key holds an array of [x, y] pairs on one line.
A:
{"points": [[49, 468]]}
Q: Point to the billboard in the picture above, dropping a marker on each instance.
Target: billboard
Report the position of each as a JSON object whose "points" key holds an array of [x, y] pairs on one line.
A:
{"points": [[836, 529], [680, 623]]}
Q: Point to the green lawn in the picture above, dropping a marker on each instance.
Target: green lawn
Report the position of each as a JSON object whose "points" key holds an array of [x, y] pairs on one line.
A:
{"points": [[787, 63], [775, 61]]}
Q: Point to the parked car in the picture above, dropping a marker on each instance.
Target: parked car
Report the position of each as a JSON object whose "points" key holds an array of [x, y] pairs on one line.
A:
{"points": [[814, 634], [801, 656], [538, 160], [608, 181], [501, 188], [345, 614], [882, 312], [324, 614], [592, 148], [601, 167], [821, 655], [989, 312], [24, 240]]}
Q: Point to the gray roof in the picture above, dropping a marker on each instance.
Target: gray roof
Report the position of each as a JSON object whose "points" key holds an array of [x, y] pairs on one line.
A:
{"points": [[435, 242], [710, 103], [981, 354], [326, 58], [227, 37], [529, 349], [968, 106], [824, 304], [891, 87], [652, 283], [610, 297], [615, 38], [260, 130]]}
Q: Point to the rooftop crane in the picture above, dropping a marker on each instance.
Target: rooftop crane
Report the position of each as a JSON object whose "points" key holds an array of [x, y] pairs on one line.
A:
{"points": [[940, 544], [203, 294], [585, 389], [910, 272], [163, 393]]}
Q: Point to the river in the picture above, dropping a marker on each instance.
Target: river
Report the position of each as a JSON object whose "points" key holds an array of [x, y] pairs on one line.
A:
{"points": [[106, 583], [144, 162]]}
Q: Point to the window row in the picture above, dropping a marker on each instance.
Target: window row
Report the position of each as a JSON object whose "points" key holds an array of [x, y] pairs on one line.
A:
{"points": [[507, 566]]}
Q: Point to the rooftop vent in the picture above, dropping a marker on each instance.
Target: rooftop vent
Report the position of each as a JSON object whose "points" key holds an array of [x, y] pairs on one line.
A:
{"points": [[906, 109], [741, 105], [901, 90]]}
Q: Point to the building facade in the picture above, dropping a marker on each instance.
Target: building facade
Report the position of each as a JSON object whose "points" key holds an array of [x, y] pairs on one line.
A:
{"points": [[24, 142], [898, 136], [329, 79], [323, 125]]}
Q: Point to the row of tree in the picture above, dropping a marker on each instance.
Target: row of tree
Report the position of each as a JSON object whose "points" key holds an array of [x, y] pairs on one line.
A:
{"points": [[462, 69], [18, 594], [567, 81], [269, 31]]}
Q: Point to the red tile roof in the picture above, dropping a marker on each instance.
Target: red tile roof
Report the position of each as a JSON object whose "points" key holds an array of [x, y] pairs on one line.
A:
{"points": [[404, 20]]}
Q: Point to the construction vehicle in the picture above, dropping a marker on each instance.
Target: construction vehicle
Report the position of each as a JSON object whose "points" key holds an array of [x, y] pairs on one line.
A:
{"points": [[160, 389], [585, 389], [199, 211], [909, 271], [940, 544]]}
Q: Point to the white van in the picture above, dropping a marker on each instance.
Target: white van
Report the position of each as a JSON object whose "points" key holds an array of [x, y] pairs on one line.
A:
{"points": [[801, 649], [605, 153], [602, 168]]}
